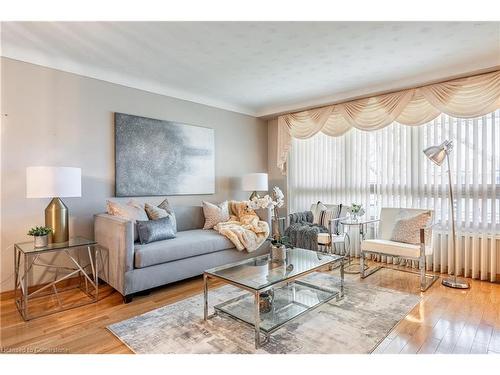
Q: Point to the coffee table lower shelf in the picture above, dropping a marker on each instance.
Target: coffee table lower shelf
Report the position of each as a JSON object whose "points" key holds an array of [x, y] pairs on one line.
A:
{"points": [[290, 302]]}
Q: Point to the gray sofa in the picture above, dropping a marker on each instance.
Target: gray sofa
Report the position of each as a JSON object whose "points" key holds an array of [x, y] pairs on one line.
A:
{"points": [[131, 267]]}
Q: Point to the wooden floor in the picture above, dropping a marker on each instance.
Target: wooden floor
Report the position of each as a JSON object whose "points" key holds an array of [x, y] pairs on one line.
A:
{"points": [[445, 321]]}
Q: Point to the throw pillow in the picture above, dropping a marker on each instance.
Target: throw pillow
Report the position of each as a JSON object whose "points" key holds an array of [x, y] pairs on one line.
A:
{"points": [[155, 230], [127, 211], [316, 210], [215, 213], [165, 205], [329, 214], [155, 213], [408, 230]]}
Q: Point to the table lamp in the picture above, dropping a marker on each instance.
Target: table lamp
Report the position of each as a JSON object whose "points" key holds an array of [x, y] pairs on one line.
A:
{"points": [[254, 182], [437, 154], [55, 182]]}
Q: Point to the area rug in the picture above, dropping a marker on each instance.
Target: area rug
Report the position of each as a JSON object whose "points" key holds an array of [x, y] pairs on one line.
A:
{"points": [[354, 324]]}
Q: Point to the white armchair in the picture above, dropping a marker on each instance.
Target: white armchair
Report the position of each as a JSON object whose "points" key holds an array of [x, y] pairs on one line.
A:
{"points": [[384, 245]]}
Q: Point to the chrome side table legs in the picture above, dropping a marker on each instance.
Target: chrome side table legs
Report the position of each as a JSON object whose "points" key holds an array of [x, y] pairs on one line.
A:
{"points": [[25, 261]]}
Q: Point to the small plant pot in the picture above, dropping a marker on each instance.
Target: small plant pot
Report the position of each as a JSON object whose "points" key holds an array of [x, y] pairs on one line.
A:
{"points": [[278, 253], [41, 241]]}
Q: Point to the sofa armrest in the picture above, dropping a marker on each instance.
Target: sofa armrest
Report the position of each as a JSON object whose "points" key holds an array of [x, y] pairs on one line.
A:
{"points": [[116, 235]]}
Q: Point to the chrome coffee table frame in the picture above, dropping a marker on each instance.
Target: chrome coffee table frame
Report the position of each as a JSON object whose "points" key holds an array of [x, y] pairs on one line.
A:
{"points": [[291, 282]]}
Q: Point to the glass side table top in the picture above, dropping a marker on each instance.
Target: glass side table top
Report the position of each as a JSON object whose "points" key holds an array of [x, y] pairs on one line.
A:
{"points": [[260, 272], [358, 221], [29, 247]]}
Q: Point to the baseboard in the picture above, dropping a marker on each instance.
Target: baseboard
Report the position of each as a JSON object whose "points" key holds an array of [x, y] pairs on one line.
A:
{"points": [[9, 294]]}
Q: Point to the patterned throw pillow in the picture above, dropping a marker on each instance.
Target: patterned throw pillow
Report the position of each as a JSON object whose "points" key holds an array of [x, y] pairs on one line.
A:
{"points": [[130, 211], [215, 214], [157, 212], [408, 230], [165, 205], [316, 209], [330, 214]]}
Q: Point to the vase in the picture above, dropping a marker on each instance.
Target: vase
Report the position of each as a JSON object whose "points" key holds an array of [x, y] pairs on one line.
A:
{"points": [[41, 241], [278, 253], [275, 228], [266, 301]]}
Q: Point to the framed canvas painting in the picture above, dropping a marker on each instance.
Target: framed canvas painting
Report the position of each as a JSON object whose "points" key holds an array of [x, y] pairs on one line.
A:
{"points": [[156, 157]]}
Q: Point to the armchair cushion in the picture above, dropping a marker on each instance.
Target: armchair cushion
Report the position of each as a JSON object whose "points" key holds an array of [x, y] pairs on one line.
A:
{"points": [[393, 248], [325, 238]]}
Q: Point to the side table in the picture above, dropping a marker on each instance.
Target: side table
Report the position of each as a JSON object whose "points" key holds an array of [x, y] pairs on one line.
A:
{"points": [[27, 257], [362, 225]]}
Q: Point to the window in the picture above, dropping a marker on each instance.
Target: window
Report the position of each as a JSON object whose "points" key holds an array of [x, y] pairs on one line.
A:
{"points": [[387, 168]]}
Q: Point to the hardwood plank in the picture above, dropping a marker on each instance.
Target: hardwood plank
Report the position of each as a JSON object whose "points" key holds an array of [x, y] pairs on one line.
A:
{"points": [[429, 346]]}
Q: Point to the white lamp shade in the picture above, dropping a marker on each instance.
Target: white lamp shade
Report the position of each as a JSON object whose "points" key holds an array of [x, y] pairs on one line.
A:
{"points": [[51, 182], [254, 182]]}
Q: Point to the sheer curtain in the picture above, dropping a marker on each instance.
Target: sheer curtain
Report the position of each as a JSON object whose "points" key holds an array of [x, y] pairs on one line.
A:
{"points": [[387, 168]]}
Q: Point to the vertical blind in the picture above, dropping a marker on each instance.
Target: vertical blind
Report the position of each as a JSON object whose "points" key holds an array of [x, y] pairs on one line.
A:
{"points": [[387, 168]]}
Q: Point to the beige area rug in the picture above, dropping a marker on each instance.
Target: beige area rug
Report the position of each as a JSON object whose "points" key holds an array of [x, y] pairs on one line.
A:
{"points": [[355, 324]]}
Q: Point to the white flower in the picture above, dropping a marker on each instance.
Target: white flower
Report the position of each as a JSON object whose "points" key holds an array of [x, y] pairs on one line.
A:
{"points": [[266, 201], [261, 202], [278, 194]]}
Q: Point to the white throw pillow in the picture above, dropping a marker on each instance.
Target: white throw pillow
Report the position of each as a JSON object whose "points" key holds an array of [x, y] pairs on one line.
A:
{"points": [[316, 211], [129, 211], [215, 213], [331, 213], [408, 230]]}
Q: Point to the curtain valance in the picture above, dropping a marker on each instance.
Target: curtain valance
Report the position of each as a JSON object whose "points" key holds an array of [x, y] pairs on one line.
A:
{"points": [[464, 98]]}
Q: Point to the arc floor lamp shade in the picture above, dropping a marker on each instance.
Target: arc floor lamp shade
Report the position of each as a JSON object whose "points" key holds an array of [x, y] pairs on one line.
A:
{"points": [[55, 183], [254, 182]]}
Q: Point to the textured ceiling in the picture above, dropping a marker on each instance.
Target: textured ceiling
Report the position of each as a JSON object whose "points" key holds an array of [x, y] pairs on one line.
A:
{"points": [[258, 68]]}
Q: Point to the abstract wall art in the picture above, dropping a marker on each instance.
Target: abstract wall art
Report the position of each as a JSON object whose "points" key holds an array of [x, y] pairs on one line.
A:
{"points": [[156, 157]]}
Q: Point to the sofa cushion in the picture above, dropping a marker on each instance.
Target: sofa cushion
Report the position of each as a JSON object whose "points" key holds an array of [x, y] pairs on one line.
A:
{"points": [[187, 244]]}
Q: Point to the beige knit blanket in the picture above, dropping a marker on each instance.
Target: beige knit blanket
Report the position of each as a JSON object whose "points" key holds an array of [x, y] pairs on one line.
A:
{"points": [[244, 228]]}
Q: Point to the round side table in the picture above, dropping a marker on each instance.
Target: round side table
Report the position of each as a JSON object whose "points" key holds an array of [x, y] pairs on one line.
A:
{"points": [[362, 225]]}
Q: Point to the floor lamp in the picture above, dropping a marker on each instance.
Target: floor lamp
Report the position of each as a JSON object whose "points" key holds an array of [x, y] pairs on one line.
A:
{"points": [[437, 154]]}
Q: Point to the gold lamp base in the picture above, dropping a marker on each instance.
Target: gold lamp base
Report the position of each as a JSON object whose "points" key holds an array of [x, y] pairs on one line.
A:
{"points": [[254, 195], [56, 217]]}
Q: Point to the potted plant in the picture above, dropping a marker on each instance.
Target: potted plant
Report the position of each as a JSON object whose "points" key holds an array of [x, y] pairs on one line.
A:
{"points": [[41, 235], [356, 211], [278, 247]]}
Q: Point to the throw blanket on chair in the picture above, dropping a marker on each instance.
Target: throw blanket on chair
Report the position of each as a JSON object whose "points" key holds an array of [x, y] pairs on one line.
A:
{"points": [[244, 228], [302, 232]]}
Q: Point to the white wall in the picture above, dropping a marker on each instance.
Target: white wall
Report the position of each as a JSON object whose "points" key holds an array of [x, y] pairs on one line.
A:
{"points": [[55, 118]]}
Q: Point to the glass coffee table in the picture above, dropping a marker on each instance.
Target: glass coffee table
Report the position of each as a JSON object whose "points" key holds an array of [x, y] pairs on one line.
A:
{"points": [[277, 292]]}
